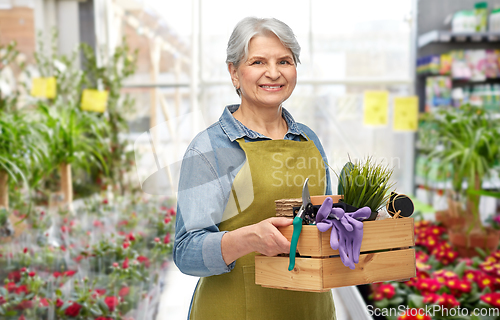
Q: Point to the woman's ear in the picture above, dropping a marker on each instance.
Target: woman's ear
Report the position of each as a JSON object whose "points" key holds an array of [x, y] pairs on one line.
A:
{"points": [[233, 71]]}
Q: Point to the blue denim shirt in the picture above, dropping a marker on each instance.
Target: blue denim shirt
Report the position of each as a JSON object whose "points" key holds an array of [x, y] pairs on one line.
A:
{"points": [[208, 168]]}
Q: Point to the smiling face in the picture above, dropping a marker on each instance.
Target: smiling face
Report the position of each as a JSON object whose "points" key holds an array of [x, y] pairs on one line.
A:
{"points": [[268, 76]]}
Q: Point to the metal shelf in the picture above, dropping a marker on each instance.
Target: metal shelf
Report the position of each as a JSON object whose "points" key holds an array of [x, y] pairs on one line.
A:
{"points": [[437, 36]]}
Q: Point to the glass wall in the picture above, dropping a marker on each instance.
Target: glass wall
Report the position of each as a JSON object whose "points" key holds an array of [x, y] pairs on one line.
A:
{"points": [[347, 49]]}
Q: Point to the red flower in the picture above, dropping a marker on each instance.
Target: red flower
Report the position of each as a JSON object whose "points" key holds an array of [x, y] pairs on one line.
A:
{"points": [[57, 274], [73, 310], [31, 274], [144, 260], [428, 285], [22, 288], [486, 281], [130, 237], [431, 298], [15, 276], [59, 303], [124, 291], [111, 302], [69, 273], [100, 292], [103, 318], [44, 302], [387, 290], [105, 201], [414, 314], [493, 299], [25, 250], [166, 240], [448, 301], [125, 263], [11, 287], [22, 317], [167, 220], [171, 211], [421, 256], [25, 304], [126, 244]]}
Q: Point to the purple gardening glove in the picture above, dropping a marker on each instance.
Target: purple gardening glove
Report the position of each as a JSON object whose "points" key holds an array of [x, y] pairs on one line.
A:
{"points": [[328, 217], [353, 239], [347, 232]]}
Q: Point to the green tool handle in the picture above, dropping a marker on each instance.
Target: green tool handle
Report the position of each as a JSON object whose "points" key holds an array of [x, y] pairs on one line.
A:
{"points": [[297, 228]]}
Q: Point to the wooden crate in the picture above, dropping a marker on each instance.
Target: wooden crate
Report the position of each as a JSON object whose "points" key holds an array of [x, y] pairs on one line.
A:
{"points": [[385, 255]]}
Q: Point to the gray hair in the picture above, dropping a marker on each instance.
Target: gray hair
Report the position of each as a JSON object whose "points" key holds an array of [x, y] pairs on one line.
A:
{"points": [[246, 29]]}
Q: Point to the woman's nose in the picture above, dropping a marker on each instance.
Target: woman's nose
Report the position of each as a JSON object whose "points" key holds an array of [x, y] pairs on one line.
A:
{"points": [[273, 72]]}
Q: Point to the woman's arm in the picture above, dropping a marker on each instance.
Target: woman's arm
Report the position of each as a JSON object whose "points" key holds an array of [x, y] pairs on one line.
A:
{"points": [[262, 237]]}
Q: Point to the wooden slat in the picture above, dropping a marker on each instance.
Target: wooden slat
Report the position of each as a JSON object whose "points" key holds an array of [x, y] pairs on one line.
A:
{"points": [[322, 274], [273, 272], [377, 235], [372, 267]]}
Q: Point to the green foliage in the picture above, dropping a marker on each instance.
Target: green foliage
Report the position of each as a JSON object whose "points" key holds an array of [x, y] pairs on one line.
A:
{"points": [[367, 184], [111, 75], [467, 148], [8, 59]]}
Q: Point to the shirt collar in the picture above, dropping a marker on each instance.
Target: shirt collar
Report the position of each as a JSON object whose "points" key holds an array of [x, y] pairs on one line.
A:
{"points": [[235, 129]]}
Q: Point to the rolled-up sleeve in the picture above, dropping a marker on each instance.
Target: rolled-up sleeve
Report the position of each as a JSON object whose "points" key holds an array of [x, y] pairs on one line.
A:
{"points": [[200, 205]]}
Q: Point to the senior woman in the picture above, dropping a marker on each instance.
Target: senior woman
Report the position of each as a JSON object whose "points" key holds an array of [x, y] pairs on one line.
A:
{"points": [[233, 172]]}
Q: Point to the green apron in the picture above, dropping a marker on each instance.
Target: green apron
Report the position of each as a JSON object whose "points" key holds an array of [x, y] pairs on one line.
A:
{"points": [[275, 169]]}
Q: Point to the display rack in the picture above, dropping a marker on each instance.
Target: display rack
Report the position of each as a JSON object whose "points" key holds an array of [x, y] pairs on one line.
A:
{"points": [[439, 36]]}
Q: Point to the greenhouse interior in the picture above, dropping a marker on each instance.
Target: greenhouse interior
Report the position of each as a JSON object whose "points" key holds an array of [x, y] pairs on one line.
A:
{"points": [[129, 130]]}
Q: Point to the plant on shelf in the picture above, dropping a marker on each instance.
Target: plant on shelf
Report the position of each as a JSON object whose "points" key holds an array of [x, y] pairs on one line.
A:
{"points": [[74, 137], [110, 74], [366, 184], [467, 149]]}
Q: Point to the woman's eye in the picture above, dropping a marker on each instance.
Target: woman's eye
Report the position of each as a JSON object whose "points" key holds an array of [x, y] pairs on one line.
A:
{"points": [[257, 62], [284, 62]]}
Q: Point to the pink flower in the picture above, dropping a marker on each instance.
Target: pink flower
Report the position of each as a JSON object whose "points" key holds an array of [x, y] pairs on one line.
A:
{"points": [[124, 291], [167, 220], [157, 239], [126, 244]]}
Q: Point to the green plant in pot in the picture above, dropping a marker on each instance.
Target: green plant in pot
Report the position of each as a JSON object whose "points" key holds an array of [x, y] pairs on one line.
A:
{"points": [[366, 184], [468, 150]]}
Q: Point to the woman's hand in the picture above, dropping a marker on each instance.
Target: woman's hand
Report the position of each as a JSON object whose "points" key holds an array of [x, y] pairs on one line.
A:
{"points": [[262, 237]]}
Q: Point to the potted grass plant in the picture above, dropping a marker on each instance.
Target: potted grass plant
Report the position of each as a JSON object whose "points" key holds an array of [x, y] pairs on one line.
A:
{"points": [[467, 149], [366, 184], [74, 137]]}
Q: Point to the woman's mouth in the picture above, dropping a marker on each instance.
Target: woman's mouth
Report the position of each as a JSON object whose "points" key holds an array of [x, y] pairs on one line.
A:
{"points": [[271, 87]]}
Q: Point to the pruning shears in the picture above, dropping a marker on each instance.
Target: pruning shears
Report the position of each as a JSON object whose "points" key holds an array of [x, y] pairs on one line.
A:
{"points": [[305, 208]]}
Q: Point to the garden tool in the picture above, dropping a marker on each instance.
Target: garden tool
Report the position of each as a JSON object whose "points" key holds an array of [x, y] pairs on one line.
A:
{"points": [[305, 209]]}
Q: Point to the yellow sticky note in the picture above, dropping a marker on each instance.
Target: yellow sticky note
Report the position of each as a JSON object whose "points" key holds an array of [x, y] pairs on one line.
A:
{"points": [[94, 100], [44, 88], [375, 107], [405, 113]]}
